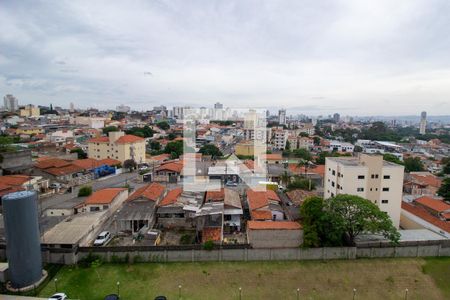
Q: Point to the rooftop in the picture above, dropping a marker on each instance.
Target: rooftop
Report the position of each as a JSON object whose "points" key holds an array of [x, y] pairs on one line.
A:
{"points": [[105, 196], [152, 192]]}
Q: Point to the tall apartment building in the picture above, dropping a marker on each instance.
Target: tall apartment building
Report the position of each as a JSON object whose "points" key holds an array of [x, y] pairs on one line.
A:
{"points": [[10, 103], [279, 138], [282, 117], [123, 108], [30, 111], [117, 145], [423, 123], [218, 105], [367, 176]]}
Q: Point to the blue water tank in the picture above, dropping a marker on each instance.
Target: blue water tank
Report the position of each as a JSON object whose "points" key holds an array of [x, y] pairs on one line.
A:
{"points": [[23, 246]]}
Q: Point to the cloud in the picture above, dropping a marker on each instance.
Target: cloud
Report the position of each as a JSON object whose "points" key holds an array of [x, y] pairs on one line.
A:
{"points": [[315, 56]]}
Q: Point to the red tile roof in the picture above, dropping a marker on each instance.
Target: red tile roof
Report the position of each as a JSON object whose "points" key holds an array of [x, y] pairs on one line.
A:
{"points": [[171, 197], [129, 138], [152, 192], [273, 225], [425, 215], [318, 169], [434, 204], [171, 166], [261, 215], [256, 199], [211, 234], [65, 170], [427, 179], [160, 157], [215, 195], [52, 163], [273, 156], [109, 162], [105, 196], [87, 163], [14, 180]]}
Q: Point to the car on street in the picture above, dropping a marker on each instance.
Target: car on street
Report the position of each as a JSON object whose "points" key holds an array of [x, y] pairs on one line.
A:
{"points": [[231, 183], [102, 239], [58, 296]]}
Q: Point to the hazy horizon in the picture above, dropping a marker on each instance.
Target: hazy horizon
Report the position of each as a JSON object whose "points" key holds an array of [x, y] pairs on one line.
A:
{"points": [[364, 58]]}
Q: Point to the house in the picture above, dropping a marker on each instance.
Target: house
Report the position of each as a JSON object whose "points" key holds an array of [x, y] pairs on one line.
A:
{"points": [[264, 205], [105, 199], [169, 171], [139, 209], [421, 183], [436, 207], [15, 161], [274, 158], [232, 208], [61, 170], [15, 183], [416, 216], [170, 212], [280, 234], [117, 145], [296, 198]]}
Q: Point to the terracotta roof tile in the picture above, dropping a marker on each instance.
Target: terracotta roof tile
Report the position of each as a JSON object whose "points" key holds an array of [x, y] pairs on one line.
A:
{"points": [[434, 204], [65, 170], [51, 163], [427, 179], [105, 196], [273, 156], [171, 166], [171, 197], [129, 138], [100, 139], [160, 157], [425, 215], [215, 195], [87, 163], [14, 180], [152, 192], [273, 225]]}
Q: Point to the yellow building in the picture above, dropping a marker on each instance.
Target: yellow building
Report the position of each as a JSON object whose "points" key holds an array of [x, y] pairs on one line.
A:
{"points": [[30, 111], [248, 148], [29, 130], [117, 145]]}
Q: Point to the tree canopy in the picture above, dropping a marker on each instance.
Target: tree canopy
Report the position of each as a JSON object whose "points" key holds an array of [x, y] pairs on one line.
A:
{"points": [[145, 131], [392, 158], [163, 125], [210, 149], [444, 190], [341, 219], [413, 164], [302, 153], [109, 129]]}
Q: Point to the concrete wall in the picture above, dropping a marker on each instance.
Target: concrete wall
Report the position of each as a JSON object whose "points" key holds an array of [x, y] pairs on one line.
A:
{"points": [[275, 238]]}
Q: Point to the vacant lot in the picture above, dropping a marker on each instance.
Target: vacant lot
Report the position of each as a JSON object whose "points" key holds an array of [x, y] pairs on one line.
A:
{"points": [[373, 279]]}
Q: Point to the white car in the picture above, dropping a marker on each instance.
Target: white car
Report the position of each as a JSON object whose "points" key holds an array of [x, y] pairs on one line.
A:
{"points": [[58, 296], [102, 239]]}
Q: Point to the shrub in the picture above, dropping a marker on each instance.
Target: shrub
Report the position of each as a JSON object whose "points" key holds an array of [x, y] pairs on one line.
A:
{"points": [[90, 260], [85, 191], [208, 245], [186, 239]]}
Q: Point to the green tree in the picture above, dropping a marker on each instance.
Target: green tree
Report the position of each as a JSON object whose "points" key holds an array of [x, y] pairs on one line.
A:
{"points": [[285, 178], [301, 183], [108, 129], [80, 153], [444, 190], [316, 140], [358, 149], [357, 215], [392, 158], [154, 145], [303, 134], [145, 131], [210, 149], [6, 144], [129, 164], [163, 125], [413, 164], [288, 146], [171, 136], [302, 153], [175, 149], [85, 191], [446, 167]]}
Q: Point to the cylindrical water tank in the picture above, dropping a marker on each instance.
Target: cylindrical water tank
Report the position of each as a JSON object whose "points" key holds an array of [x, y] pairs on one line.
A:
{"points": [[23, 246]]}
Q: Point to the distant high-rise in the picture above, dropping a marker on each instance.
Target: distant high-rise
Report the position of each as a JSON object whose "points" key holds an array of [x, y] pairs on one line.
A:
{"points": [[423, 123], [11, 103], [72, 107], [336, 117], [282, 117], [218, 105], [123, 108]]}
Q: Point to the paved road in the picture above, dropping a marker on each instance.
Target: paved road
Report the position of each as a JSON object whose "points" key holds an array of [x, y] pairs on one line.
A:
{"points": [[115, 181]]}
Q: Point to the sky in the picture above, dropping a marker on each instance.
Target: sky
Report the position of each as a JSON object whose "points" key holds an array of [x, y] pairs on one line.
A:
{"points": [[379, 57]]}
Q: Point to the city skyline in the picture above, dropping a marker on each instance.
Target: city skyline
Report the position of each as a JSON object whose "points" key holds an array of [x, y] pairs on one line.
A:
{"points": [[306, 57]]}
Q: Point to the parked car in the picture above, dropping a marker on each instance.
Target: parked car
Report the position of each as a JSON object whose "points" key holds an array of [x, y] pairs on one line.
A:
{"points": [[55, 185], [102, 239], [231, 183], [112, 297], [58, 296]]}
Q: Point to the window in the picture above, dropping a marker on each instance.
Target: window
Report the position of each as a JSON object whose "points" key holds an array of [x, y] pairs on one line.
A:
{"points": [[387, 177], [360, 189], [105, 206], [361, 176], [372, 176], [384, 201], [94, 208], [332, 183], [385, 189], [334, 172], [376, 175]]}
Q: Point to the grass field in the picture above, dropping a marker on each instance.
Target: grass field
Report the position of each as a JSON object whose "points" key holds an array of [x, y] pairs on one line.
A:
{"points": [[373, 279]]}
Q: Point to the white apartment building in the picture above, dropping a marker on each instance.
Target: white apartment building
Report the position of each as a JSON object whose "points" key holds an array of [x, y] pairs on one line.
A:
{"points": [[282, 117], [341, 146], [279, 138], [367, 176]]}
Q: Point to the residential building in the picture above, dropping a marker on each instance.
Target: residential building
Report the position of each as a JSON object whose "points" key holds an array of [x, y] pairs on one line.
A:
{"points": [[421, 183], [369, 177], [423, 123], [341, 147], [279, 138], [30, 111], [91, 122], [264, 205], [10, 103], [117, 145], [282, 117], [123, 108], [106, 199]]}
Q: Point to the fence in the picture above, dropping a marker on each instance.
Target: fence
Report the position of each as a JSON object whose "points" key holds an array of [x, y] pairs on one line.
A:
{"points": [[239, 253]]}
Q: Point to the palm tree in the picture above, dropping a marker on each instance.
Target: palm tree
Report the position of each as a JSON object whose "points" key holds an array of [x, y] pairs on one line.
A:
{"points": [[285, 178]]}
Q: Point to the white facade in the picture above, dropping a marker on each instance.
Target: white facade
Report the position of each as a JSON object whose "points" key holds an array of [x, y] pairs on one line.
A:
{"points": [[279, 139], [341, 146], [282, 117], [11, 103], [367, 176]]}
